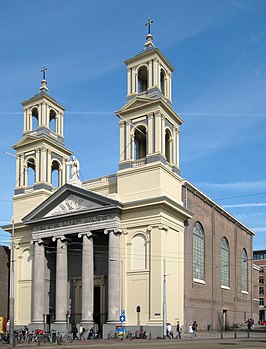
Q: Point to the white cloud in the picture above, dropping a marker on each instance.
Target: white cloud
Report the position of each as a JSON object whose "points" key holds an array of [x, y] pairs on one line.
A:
{"points": [[260, 204], [259, 186], [259, 230]]}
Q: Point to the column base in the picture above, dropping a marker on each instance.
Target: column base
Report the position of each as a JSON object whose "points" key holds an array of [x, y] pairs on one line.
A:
{"points": [[35, 325], [60, 326]]}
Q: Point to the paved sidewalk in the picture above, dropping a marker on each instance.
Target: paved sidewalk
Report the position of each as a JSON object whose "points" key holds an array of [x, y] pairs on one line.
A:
{"points": [[204, 340]]}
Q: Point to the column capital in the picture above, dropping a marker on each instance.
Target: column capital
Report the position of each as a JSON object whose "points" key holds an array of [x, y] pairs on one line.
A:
{"points": [[61, 237], [115, 231], [88, 234], [38, 241]]}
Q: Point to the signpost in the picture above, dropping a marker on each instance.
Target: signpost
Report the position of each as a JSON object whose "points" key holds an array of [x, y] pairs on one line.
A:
{"points": [[122, 320]]}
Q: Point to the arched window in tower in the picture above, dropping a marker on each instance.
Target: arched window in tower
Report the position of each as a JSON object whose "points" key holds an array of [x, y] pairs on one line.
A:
{"points": [[55, 174], [138, 252], [163, 82], [52, 120], [31, 172], [225, 262], [140, 143], [142, 79], [34, 119], [244, 270], [198, 252], [168, 145]]}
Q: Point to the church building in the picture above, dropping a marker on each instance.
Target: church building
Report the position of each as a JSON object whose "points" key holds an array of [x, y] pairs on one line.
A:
{"points": [[144, 243]]}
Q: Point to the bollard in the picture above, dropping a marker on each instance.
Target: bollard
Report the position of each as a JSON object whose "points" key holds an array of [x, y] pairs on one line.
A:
{"points": [[222, 334], [248, 332], [150, 336], [235, 334]]}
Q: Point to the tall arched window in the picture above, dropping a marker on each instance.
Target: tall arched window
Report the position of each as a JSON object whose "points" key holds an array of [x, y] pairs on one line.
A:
{"points": [[140, 143], [31, 174], [198, 252], [55, 174], [244, 270], [138, 252], [225, 262], [142, 79], [168, 145], [35, 118], [52, 120], [163, 82]]}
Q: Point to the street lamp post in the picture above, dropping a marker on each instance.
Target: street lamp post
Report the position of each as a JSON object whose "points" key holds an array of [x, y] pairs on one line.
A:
{"points": [[164, 298], [11, 299]]}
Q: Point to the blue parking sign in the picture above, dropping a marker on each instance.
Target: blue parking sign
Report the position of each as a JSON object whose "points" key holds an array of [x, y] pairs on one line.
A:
{"points": [[122, 318]]}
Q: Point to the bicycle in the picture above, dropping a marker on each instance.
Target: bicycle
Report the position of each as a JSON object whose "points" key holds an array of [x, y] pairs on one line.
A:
{"points": [[64, 338]]}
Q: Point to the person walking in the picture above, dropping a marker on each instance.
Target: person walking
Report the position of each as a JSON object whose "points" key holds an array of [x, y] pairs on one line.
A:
{"points": [[169, 332], [178, 330], [74, 331], [194, 328], [81, 332]]}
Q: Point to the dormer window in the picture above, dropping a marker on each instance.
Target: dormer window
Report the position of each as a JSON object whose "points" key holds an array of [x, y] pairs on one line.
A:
{"points": [[142, 79]]}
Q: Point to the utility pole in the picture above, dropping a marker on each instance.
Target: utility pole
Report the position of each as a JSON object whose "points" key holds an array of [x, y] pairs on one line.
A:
{"points": [[164, 298], [11, 306]]}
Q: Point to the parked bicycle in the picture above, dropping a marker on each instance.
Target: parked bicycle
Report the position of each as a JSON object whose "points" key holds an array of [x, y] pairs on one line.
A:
{"points": [[64, 338]]}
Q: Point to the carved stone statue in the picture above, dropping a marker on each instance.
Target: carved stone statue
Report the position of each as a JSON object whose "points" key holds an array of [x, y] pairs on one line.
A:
{"points": [[74, 167]]}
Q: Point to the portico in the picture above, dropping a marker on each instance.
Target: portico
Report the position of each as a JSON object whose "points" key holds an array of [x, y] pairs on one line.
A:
{"points": [[76, 217]]}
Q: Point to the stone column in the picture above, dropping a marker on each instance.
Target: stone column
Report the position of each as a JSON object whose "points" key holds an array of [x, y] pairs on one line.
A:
{"points": [[38, 283], [61, 302], [114, 277], [87, 279]]}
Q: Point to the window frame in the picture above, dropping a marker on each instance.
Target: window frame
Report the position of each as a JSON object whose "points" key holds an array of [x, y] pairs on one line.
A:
{"points": [[198, 253]]}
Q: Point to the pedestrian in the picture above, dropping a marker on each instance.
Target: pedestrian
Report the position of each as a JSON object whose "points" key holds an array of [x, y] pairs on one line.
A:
{"points": [[169, 331], [178, 330], [250, 323], [81, 332], [194, 328], [74, 331]]}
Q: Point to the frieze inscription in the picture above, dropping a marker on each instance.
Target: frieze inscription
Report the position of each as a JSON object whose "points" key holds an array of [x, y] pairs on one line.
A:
{"points": [[71, 222]]}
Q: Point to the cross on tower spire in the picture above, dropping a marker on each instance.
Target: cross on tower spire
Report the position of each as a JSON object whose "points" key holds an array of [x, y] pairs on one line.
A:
{"points": [[43, 72], [149, 44], [148, 24], [44, 88]]}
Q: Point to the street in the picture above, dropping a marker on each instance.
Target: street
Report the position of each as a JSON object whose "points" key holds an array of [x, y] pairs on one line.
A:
{"points": [[205, 340]]}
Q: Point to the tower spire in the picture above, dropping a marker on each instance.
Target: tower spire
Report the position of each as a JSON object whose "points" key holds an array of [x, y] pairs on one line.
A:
{"points": [[44, 87], [149, 44]]}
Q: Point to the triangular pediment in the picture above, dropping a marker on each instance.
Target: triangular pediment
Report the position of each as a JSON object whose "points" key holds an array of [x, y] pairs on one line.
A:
{"points": [[28, 139], [70, 200], [136, 103], [73, 203]]}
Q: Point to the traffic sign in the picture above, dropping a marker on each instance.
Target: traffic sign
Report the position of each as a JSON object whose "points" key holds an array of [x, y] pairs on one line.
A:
{"points": [[122, 318], [123, 312]]}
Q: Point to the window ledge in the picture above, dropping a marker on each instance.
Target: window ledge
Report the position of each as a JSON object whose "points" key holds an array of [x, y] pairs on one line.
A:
{"points": [[199, 281], [225, 287], [244, 292]]}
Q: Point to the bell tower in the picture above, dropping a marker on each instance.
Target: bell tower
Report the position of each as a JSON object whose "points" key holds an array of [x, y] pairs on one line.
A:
{"points": [[41, 165], [149, 127]]}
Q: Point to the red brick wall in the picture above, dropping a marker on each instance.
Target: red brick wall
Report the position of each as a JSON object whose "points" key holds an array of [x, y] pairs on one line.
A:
{"points": [[208, 303]]}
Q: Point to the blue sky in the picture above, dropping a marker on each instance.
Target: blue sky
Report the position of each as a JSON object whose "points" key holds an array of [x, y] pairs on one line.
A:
{"points": [[218, 49]]}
